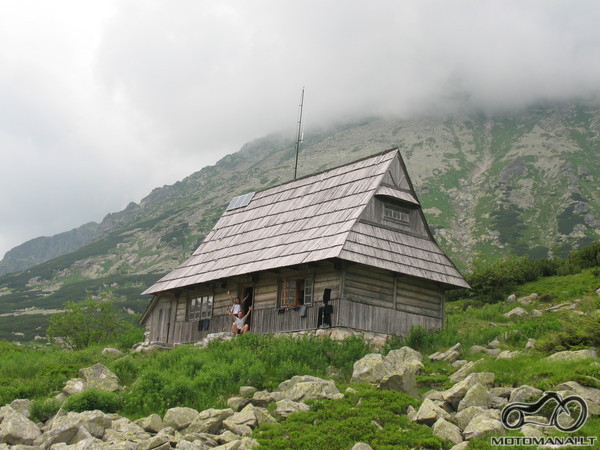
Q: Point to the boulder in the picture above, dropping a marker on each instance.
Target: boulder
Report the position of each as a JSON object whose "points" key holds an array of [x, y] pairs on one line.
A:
{"points": [[464, 371], [94, 422], [179, 417], [536, 313], [125, 430], [100, 377], [158, 442], [361, 446], [429, 413], [237, 403], [245, 443], [286, 407], [450, 355], [74, 386], [242, 422], [16, 429], [528, 299], [511, 298], [456, 393], [306, 387], [589, 394], [516, 312], [530, 344], [494, 344], [153, 423], [507, 354], [112, 351], [446, 430], [22, 406], [247, 391], [525, 393], [462, 418], [397, 371], [209, 421], [568, 355], [262, 398], [483, 426], [477, 395]]}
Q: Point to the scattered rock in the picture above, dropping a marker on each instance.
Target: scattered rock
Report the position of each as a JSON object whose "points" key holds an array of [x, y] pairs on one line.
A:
{"points": [[16, 429], [576, 355], [528, 300], [450, 355], [429, 413], [262, 398], [517, 312], [477, 395], [179, 417], [222, 336], [247, 391], [456, 393], [530, 344], [536, 313], [112, 351], [511, 298], [462, 418], [446, 430], [494, 344], [209, 421], [397, 371], [589, 394], [361, 446], [237, 403], [286, 407], [153, 423], [306, 387], [506, 354], [22, 406], [482, 426], [524, 393]]}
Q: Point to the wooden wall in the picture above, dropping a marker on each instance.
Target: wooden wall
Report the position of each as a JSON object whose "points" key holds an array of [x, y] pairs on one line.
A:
{"points": [[372, 300]]}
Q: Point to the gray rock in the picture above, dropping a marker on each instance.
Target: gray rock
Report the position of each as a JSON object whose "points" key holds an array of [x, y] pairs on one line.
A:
{"points": [[63, 433], [153, 423], [306, 387], [462, 446], [429, 413], [262, 398], [456, 393], [156, 442], [507, 354], [528, 300], [411, 412], [464, 371], [530, 344], [396, 371], [498, 402], [483, 426], [536, 313], [524, 393], [405, 355], [22, 406], [494, 344], [242, 422], [446, 430], [463, 417], [568, 355], [450, 355], [247, 391], [237, 403], [286, 407], [589, 394], [244, 443], [16, 429], [511, 298], [530, 431], [477, 395], [124, 430], [209, 421], [179, 417], [516, 312], [100, 377], [361, 446], [112, 351]]}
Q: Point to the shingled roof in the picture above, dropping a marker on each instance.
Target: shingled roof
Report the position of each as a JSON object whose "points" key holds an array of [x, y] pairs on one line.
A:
{"points": [[312, 219]]}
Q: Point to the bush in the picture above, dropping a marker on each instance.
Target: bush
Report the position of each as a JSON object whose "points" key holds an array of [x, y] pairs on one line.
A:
{"points": [[91, 399], [44, 409], [86, 323]]}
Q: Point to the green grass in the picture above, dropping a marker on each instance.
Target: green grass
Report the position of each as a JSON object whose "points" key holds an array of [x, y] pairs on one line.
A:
{"points": [[370, 416]]}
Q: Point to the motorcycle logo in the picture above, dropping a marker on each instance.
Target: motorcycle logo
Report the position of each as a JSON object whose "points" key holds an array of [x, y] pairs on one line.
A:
{"points": [[569, 414]]}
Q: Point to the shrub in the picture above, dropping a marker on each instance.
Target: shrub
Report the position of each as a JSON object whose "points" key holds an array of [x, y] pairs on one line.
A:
{"points": [[44, 409], [86, 323], [91, 399]]}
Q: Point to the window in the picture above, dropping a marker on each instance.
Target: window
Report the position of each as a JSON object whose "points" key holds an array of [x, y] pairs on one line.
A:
{"points": [[296, 292], [395, 213], [200, 308]]}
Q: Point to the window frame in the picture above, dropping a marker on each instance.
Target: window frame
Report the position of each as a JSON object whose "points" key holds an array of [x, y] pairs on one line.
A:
{"points": [[199, 307], [396, 209], [296, 285]]}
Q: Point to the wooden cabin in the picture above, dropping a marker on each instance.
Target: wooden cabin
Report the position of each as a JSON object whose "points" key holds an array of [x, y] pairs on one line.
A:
{"points": [[348, 247]]}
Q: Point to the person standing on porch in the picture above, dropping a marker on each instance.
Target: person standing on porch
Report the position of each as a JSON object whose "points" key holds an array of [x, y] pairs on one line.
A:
{"points": [[237, 305]]}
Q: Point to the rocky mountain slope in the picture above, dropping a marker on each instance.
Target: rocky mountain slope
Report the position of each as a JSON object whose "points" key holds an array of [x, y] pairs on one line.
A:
{"points": [[522, 182]]}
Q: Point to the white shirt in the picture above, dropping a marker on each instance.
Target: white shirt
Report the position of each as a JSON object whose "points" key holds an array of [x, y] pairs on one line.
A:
{"points": [[236, 309]]}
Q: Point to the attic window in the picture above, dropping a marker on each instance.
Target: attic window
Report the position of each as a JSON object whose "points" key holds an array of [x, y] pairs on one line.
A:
{"points": [[200, 308], [296, 292], [395, 213]]}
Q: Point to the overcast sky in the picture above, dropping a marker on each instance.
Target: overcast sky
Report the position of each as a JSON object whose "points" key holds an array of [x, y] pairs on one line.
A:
{"points": [[101, 101]]}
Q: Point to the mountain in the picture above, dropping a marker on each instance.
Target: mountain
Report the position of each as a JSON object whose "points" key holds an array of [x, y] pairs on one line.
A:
{"points": [[521, 183]]}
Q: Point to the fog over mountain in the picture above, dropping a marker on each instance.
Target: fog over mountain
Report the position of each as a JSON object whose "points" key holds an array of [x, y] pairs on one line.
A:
{"points": [[102, 101]]}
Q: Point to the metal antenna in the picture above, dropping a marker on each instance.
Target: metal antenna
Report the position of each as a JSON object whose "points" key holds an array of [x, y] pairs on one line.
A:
{"points": [[300, 136]]}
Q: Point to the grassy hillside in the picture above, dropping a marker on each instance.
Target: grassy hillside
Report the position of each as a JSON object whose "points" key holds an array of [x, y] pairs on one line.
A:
{"points": [[204, 378]]}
